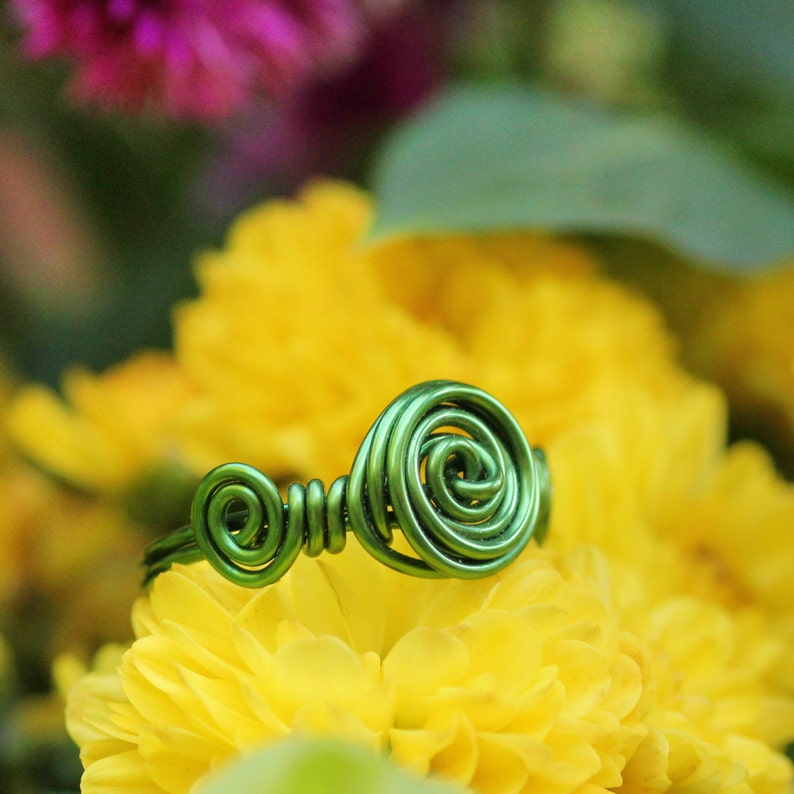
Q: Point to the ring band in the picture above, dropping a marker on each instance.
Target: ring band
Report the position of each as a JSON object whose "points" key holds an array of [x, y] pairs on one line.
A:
{"points": [[445, 464]]}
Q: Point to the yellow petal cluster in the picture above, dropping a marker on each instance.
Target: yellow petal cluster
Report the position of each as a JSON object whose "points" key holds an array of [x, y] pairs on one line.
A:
{"points": [[523, 682], [716, 717], [69, 564], [738, 529], [298, 342], [112, 427], [658, 663], [518, 683], [743, 340], [298, 346]]}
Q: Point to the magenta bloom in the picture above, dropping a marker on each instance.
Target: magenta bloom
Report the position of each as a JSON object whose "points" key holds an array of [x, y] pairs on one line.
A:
{"points": [[329, 125], [199, 59]]}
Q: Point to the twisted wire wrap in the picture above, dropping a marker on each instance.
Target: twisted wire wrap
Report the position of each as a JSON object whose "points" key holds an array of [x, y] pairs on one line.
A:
{"points": [[445, 463]]}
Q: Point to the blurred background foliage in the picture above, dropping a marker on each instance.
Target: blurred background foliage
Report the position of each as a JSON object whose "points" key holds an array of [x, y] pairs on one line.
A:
{"points": [[102, 212]]}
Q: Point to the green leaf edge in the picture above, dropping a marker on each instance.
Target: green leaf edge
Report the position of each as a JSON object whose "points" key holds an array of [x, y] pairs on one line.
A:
{"points": [[318, 766], [412, 201]]}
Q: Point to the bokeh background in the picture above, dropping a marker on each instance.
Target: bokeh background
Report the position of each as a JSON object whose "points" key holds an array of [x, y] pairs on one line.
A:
{"points": [[101, 210], [106, 198]]}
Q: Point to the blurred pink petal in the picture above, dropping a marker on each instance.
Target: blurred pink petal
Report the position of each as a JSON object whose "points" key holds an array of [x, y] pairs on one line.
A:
{"points": [[51, 254], [192, 59], [328, 126]]}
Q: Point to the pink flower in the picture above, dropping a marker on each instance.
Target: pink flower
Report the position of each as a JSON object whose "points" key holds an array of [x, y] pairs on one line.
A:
{"points": [[330, 124], [194, 59]]}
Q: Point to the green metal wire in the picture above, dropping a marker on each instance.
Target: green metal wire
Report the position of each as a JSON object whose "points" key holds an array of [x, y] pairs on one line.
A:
{"points": [[445, 464]]}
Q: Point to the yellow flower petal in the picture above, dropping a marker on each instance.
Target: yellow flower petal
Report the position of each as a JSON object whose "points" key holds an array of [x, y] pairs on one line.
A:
{"points": [[645, 649]]}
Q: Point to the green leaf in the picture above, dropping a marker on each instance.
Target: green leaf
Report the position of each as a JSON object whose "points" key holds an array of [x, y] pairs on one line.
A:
{"points": [[492, 158], [739, 42], [318, 766]]}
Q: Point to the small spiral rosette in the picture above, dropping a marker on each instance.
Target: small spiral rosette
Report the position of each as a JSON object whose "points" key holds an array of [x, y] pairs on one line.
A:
{"points": [[240, 525], [445, 464]]}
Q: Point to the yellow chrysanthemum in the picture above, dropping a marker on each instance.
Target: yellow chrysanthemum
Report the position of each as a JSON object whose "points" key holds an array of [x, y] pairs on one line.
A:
{"points": [[739, 529], [69, 562], [522, 682], [717, 717], [743, 340], [657, 663], [302, 335], [115, 428]]}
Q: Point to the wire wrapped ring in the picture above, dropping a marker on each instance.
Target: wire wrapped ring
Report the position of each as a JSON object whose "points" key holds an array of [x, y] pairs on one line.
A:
{"points": [[446, 464]]}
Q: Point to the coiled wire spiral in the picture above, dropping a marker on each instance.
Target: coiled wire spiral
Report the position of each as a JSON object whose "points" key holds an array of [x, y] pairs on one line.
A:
{"points": [[445, 463]]}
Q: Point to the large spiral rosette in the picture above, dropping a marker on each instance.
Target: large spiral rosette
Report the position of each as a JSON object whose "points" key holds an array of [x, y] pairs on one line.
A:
{"points": [[449, 466], [445, 464]]}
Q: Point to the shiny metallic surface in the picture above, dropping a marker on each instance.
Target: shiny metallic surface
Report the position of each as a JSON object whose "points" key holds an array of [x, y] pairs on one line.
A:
{"points": [[445, 464]]}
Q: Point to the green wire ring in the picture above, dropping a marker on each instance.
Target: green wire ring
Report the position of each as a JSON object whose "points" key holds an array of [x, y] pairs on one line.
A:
{"points": [[445, 463]]}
